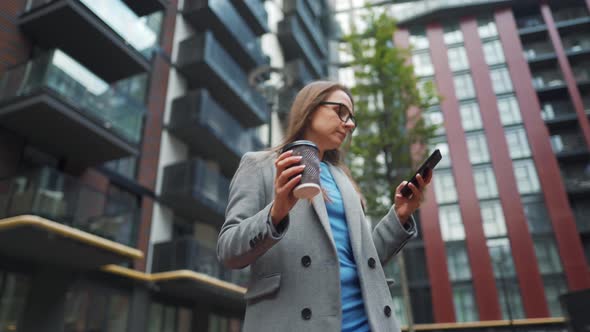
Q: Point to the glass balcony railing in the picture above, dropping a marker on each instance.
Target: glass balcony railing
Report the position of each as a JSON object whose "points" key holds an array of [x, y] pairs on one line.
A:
{"points": [[254, 13], [419, 8], [58, 73], [581, 72], [577, 44], [60, 198], [571, 13], [232, 21], [567, 143], [557, 110], [530, 22], [198, 109], [186, 253], [121, 19], [577, 183], [196, 190], [233, 78], [537, 50], [547, 79], [291, 26], [309, 23]]}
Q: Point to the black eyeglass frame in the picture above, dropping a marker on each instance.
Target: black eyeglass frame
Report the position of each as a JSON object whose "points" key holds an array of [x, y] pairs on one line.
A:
{"points": [[340, 105]]}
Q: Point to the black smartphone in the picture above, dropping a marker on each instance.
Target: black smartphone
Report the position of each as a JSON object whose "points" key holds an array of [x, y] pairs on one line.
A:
{"points": [[427, 166]]}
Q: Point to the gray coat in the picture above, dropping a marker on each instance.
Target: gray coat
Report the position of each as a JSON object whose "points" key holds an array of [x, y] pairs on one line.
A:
{"points": [[295, 279]]}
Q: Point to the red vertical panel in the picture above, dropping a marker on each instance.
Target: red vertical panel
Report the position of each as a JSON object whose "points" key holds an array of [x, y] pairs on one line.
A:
{"points": [[484, 283], [152, 135], [434, 246], [566, 69], [529, 279], [560, 212]]}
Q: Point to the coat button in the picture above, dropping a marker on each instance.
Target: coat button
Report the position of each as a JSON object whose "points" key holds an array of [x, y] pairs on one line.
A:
{"points": [[387, 311], [371, 262], [306, 314], [306, 261]]}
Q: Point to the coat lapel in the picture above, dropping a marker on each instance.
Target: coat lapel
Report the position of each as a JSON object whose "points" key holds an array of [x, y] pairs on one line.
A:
{"points": [[351, 203], [320, 209]]}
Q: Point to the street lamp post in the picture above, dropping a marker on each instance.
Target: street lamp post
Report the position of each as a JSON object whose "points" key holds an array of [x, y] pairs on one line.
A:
{"points": [[270, 82]]}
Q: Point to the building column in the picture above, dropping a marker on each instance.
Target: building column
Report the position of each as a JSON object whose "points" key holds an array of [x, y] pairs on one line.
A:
{"points": [[153, 127], [553, 188], [521, 242], [484, 283], [566, 70], [45, 306], [434, 246], [139, 309]]}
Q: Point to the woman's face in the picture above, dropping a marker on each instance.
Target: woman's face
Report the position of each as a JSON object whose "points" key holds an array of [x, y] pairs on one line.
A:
{"points": [[332, 120]]}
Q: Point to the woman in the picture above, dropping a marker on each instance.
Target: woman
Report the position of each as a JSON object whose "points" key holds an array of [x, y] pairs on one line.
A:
{"points": [[315, 264]]}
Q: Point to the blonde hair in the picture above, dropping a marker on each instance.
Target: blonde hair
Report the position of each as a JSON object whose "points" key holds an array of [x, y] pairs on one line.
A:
{"points": [[306, 102]]}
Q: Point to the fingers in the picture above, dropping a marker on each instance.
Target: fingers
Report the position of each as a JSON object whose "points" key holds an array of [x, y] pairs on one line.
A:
{"points": [[415, 192], [287, 174], [285, 160], [421, 183]]}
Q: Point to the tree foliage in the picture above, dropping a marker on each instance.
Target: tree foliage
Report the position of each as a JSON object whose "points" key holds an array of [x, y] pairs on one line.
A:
{"points": [[385, 90]]}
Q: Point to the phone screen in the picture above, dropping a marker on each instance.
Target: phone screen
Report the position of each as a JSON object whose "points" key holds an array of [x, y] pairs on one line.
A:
{"points": [[427, 166]]}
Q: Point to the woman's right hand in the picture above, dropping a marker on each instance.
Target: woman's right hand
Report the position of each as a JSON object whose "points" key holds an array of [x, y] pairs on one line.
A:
{"points": [[286, 179]]}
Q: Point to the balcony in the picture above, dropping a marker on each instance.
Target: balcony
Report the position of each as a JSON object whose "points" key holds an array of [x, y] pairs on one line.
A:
{"points": [[310, 23], [196, 191], [230, 29], [539, 53], [145, 7], [198, 119], [188, 255], [577, 46], [577, 186], [530, 25], [61, 107], [118, 36], [254, 13], [559, 114], [298, 71], [49, 217], [569, 146], [295, 44], [204, 63]]}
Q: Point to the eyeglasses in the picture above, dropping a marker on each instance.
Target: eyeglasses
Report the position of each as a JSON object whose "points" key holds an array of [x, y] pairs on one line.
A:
{"points": [[343, 111]]}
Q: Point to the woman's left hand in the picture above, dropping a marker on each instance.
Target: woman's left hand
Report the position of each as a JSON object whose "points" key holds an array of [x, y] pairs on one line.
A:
{"points": [[405, 206]]}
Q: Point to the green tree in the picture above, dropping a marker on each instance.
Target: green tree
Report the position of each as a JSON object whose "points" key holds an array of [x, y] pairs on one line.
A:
{"points": [[385, 91]]}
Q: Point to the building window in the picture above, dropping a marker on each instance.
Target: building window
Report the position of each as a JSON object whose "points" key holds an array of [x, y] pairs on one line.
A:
{"points": [[451, 224], [169, 318], [485, 182], [509, 110], [501, 256], [554, 286], [441, 144], [526, 176], [547, 256], [501, 81], [477, 147], [487, 27], [493, 52], [536, 215], [470, 116], [444, 187], [458, 262], [14, 289], [434, 117], [418, 39], [464, 301], [492, 217], [464, 86], [458, 58], [518, 144], [422, 64], [453, 34]]}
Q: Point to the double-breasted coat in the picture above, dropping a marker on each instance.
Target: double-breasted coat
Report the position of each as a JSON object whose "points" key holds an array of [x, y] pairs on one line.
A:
{"points": [[295, 282]]}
